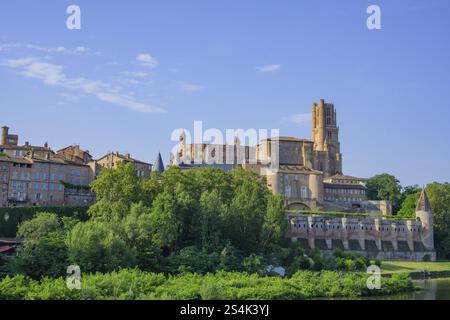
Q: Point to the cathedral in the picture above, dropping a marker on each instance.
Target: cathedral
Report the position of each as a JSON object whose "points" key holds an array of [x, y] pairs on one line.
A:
{"points": [[307, 172], [326, 209]]}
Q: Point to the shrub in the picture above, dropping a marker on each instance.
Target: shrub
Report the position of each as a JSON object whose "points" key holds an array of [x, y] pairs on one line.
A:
{"points": [[210, 290], [95, 247], [46, 256], [12, 217]]}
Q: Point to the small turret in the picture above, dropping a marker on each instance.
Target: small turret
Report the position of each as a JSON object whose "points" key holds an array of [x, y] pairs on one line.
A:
{"points": [[424, 214], [158, 166], [5, 133]]}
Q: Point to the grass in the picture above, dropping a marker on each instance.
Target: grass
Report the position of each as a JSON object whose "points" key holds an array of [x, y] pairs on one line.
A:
{"points": [[409, 266]]}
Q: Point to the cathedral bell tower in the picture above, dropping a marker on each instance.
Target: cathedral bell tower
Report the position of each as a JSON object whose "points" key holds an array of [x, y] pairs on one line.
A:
{"points": [[325, 136]]}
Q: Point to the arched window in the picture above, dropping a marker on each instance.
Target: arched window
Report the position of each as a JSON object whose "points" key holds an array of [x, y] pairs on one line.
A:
{"points": [[287, 192], [304, 192]]}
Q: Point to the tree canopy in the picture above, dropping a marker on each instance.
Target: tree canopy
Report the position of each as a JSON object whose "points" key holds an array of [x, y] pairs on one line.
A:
{"points": [[385, 187]]}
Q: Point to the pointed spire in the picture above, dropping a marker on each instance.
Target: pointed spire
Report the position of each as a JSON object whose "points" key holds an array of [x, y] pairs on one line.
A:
{"points": [[424, 203], [159, 165], [183, 137], [237, 141]]}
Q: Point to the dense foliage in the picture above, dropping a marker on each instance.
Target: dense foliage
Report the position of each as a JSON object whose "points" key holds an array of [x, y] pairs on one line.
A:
{"points": [[135, 284], [385, 187], [10, 218], [439, 195]]}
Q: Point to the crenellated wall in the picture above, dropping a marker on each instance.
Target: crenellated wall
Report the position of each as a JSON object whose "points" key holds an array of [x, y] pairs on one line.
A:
{"points": [[375, 237]]}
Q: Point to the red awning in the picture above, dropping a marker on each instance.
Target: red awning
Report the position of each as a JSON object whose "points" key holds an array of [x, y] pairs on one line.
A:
{"points": [[5, 249]]}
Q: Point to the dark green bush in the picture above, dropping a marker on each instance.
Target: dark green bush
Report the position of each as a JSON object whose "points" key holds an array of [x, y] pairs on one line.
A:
{"points": [[10, 218]]}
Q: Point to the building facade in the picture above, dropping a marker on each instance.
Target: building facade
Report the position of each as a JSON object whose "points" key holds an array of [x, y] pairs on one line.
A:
{"points": [[112, 160], [37, 176], [46, 181]]}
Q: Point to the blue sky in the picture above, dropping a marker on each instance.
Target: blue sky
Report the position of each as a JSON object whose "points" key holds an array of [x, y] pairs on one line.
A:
{"points": [[137, 70]]}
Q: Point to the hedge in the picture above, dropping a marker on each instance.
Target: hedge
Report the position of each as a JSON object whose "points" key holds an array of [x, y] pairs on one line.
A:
{"points": [[10, 218]]}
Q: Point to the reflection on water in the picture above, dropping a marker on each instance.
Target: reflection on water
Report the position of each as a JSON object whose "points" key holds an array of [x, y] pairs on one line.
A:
{"points": [[433, 289]]}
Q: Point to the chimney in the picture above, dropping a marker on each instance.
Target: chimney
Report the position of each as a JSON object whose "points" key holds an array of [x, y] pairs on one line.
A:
{"points": [[127, 155], [5, 132], [46, 145], [27, 143]]}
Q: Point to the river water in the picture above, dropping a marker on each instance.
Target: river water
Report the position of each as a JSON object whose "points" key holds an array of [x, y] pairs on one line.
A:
{"points": [[432, 289]]}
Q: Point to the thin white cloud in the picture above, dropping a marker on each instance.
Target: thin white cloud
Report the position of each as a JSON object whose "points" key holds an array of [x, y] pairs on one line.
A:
{"points": [[147, 60], [269, 68], [70, 98], [80, 50], [135, 74], [191, 88], [300, 118], [127, 102], [53, 75]]}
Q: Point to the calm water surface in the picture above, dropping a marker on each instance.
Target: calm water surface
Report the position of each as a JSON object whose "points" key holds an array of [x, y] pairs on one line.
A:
{"points": [[433, 289]]}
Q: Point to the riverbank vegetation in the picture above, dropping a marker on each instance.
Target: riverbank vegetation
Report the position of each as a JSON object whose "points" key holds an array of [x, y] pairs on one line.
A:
{"points": [[135, 284]]}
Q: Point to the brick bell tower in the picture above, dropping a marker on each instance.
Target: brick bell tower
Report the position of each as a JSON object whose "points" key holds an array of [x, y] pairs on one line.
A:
{"points": [[325, 135]]}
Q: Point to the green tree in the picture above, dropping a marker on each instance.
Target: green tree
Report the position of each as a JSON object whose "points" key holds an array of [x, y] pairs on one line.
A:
{"points": [[136, 231], [244, 218], [41, 225], [116, 189], [411, 190], [439, 196], [275, 222], [230, 259], [253, 264], [408, 209], [164, 221], [385, 187], [96, 248], [193, 260], [210, 219], [44, 252], [44, 257]]}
